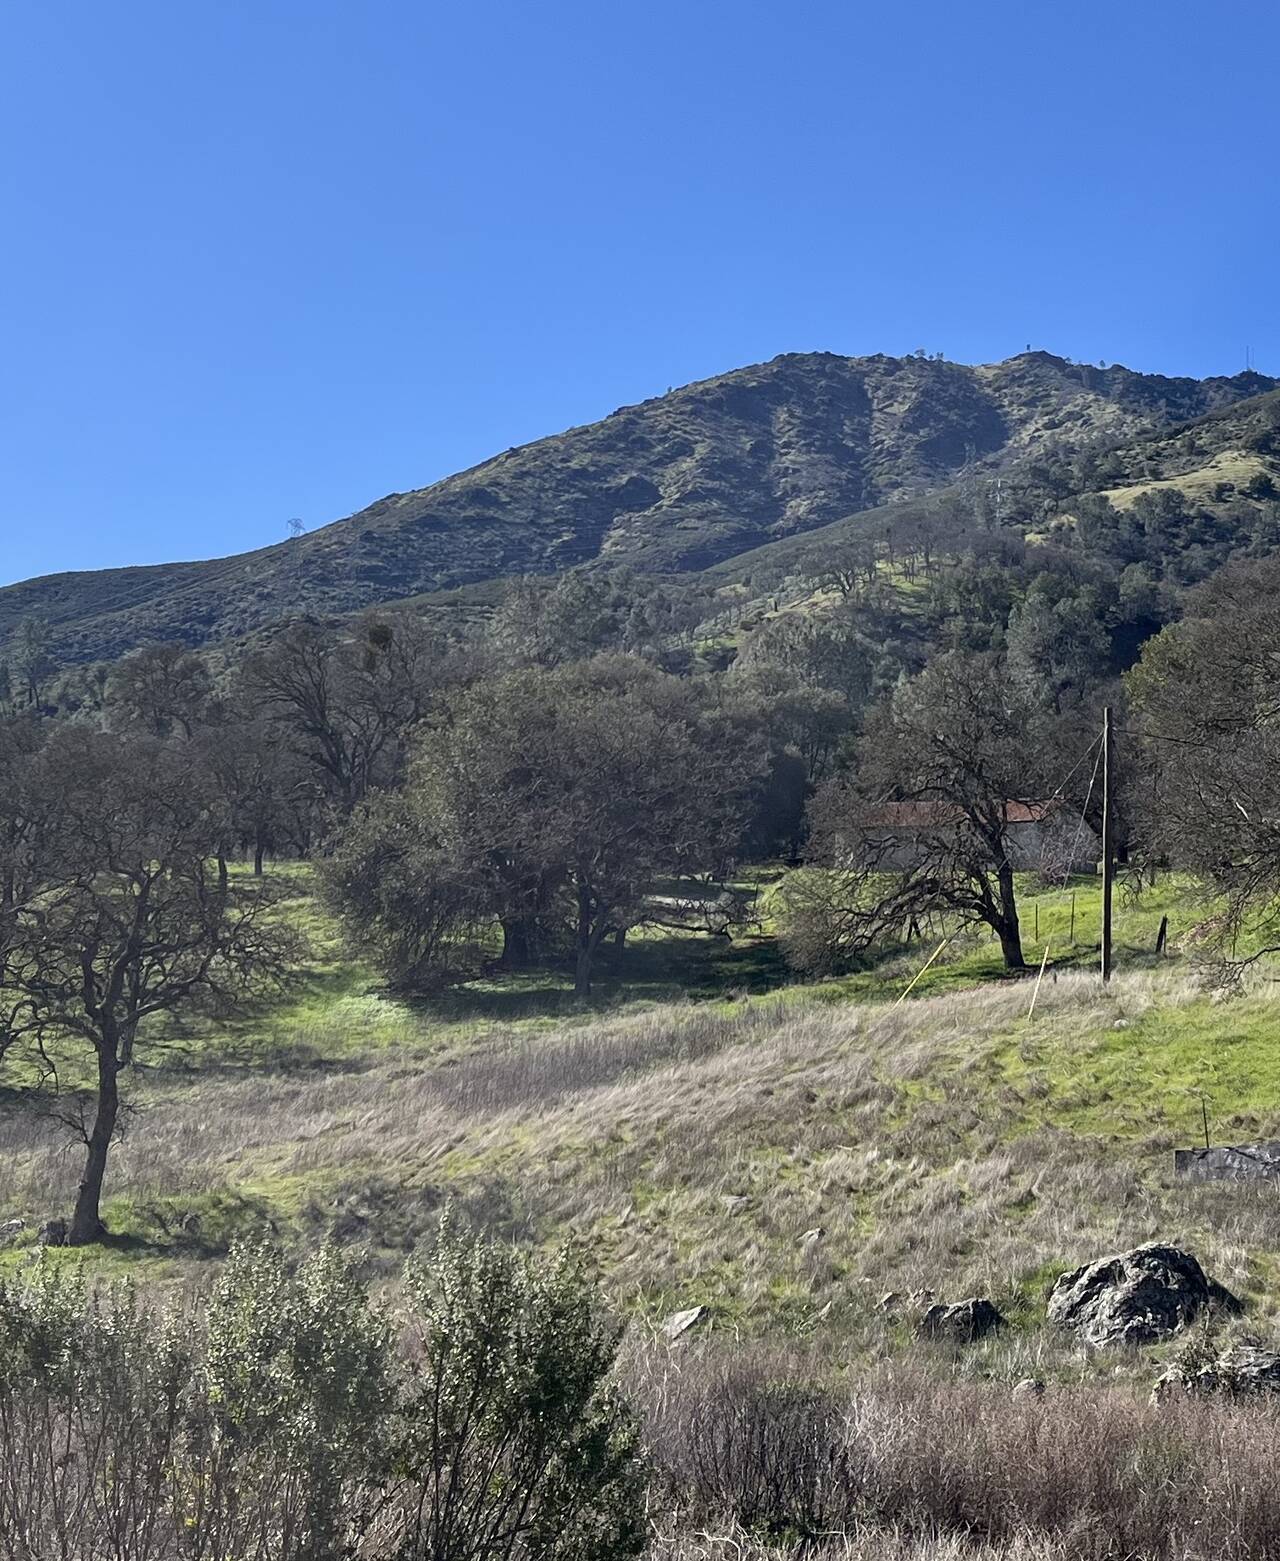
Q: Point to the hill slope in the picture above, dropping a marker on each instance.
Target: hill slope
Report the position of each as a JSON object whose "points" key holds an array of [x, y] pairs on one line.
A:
{"points": [[677, 483], [1215, 461]]}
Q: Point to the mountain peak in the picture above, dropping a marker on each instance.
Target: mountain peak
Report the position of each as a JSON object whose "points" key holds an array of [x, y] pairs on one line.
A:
{"points": [[679, 482]]}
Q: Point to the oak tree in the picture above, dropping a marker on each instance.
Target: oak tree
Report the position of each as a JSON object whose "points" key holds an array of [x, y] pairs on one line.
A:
{"points": [[133, 920]]}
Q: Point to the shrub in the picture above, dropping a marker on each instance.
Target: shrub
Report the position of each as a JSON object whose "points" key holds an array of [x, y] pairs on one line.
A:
{"points": [[286, 1420], [289, 1413], [510, 1440], [91, 1415]]}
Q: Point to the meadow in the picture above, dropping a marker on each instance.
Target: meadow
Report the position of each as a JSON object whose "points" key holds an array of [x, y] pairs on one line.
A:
{"points": [[711, 1132]]}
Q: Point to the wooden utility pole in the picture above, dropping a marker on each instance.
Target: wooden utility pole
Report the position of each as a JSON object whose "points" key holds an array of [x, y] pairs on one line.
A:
{"points": [[1108, 840]]}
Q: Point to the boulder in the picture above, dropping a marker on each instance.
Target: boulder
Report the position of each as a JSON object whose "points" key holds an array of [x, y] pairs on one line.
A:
{"points": [[1137, 1297], [1028, 1387], [1240, 1371], [962, 1321], [681, 1322]]}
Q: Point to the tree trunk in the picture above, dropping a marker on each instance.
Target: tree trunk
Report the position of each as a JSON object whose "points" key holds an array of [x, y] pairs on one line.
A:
{"points": [[259, 851], [222, 871], [127, 1034], [517, 943], [1007, 926], [86, 1222], [587, 940], [582, 973]]}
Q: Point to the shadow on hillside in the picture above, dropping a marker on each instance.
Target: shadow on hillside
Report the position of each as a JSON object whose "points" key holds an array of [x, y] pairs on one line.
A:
{"points": [[667, 969]]}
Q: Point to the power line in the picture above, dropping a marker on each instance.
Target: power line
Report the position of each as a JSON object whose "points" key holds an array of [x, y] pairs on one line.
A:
{"points": [[1079, 765], [1164, 737], [1075, 845]]}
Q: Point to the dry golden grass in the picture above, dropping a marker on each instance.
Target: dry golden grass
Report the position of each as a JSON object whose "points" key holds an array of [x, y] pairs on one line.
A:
{"points": [[944, 1143], [947, 1143], [1234, 466], [867, 1544], [902, 1462]]}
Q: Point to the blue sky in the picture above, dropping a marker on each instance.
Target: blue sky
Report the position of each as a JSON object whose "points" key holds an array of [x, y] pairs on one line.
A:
{"points": [[275, 258]]}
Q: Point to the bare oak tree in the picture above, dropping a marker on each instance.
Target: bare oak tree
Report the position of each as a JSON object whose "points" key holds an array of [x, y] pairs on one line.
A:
{"points": [[348, 700], [925, 828], [133, 919]]}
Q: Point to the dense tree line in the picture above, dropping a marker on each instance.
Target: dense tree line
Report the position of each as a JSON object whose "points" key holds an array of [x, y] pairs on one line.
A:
{"points": [[529, 792], [1207, 706]]}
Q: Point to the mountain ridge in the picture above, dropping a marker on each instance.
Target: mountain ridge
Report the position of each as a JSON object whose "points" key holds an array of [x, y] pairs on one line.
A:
{"points": [[674, 484]]}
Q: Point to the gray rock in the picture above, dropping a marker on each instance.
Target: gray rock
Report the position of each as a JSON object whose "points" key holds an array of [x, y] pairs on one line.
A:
{"points": [[681, 1322], [963, 1321], [1137, 1297], [1258, 1162], [1029, 1387], [1239, 1371], [53, 1233]]}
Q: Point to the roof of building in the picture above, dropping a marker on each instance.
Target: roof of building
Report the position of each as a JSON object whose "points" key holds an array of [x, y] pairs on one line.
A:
{"points": [[938, 814]]}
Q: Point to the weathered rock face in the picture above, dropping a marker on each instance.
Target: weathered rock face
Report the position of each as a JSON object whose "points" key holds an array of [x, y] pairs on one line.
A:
{"points": [[1137, 1297], [962, 1321], [1240, 1371]]}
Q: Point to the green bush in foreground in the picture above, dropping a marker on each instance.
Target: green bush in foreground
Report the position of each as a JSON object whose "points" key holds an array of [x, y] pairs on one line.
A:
{"points": [[290, 1419]]}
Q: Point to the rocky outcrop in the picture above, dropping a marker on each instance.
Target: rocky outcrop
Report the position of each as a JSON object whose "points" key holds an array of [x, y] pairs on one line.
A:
{"points": [[1239, 1371], [962, 1322], [1139, 1297]]}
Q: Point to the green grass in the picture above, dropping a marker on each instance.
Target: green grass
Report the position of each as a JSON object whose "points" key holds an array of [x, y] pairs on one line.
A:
{"points": [[704, 1109], [1148, 1075]]}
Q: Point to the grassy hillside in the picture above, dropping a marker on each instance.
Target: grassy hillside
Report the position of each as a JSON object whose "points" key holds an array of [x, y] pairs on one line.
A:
{"points": [[948, 1141], [678, 483]]}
